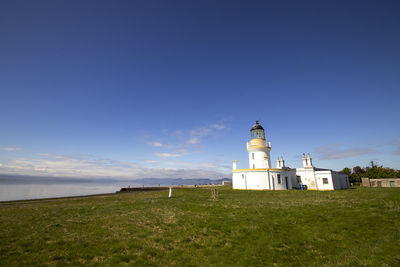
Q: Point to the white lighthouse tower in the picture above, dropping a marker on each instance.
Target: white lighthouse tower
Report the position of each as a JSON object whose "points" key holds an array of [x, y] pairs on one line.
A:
{"points": [[258, 148]]}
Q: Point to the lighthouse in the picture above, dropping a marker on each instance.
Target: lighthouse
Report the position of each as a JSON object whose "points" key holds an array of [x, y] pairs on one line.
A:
{"points": [[262, 176], [259, 149]]}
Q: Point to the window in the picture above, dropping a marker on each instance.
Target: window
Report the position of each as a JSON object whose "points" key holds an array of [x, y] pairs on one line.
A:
{"points": [[379, 183], [298, 178], [254, 166], [279, 179], [325, 181], [252, 155], [373, 183]]}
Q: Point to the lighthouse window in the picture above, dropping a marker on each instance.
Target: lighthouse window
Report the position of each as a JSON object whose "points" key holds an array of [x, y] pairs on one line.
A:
{"points": [[279, 179], [252, 155], [325, 180]]}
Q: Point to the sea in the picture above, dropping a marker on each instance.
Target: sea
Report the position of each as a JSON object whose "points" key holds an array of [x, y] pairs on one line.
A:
{"points": [[16, 187]]}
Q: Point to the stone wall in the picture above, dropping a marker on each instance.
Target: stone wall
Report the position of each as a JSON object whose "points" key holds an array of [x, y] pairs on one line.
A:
{"points": [[381, 182]]}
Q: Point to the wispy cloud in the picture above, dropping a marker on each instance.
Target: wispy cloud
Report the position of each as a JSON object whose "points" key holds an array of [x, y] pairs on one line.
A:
{"points": [[197, 134], [333, 151], [11, 148], [168, 155], [207, 130], [155, 144], [175, 133], [210, 165], [89, 166], [180, 164], [160, 145], [151, 161], [183, 142], [394, 144], [193, 141]]}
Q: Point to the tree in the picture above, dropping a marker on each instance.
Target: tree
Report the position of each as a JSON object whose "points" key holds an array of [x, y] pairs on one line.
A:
{"points": [[372, 171], [357, 170], [352, 177], [346, 171]]}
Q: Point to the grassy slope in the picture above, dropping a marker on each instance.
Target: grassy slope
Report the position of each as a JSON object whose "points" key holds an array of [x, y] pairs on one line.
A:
{"points": [[349, 227]]}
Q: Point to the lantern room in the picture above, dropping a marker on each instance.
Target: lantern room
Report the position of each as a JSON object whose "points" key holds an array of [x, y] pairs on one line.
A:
{"points": [[257, 131]]}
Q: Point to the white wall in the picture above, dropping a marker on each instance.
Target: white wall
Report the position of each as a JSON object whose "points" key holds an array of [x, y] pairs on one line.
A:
{"points": [[314, 179], [291, 179], [264, 180], [258, 161], [307, 177], [237, 181], [257, 180], [320, 175], [250, 180]]}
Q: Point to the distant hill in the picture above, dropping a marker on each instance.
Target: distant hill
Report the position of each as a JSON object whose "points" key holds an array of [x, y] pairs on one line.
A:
{"points": [[179, 181]]}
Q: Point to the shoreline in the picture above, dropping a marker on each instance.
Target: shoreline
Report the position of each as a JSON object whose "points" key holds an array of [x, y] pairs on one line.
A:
{"points": [[123, 190], [30, 200]]}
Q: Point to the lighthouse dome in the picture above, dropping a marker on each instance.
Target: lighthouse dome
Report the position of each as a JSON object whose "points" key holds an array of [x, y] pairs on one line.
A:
{"points": [[256, 126]]}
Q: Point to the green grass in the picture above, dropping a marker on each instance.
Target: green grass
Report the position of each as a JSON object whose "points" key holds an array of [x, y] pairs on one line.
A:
{"points": [[242, 228]]}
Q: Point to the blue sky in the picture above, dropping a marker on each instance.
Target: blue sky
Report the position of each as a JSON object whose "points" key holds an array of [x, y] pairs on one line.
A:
{"points": [[137, 89]]}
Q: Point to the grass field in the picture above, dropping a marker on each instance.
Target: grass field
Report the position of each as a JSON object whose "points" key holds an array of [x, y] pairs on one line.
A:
{"points": [[241, 228]]}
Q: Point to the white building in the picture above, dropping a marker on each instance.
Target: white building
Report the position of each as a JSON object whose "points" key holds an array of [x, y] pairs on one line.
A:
{"points": [[261, 175]]}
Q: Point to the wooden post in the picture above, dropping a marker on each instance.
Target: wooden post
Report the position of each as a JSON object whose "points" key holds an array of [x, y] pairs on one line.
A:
{"points": [[214, 194]]}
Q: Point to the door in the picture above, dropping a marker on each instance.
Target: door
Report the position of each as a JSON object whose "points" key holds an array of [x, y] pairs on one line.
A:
{"points": [[392, 184], [286, 180]]}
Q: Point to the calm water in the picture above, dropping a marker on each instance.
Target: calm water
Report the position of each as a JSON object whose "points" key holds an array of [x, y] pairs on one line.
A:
{"points": [[34, 191], [14, 187]]}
